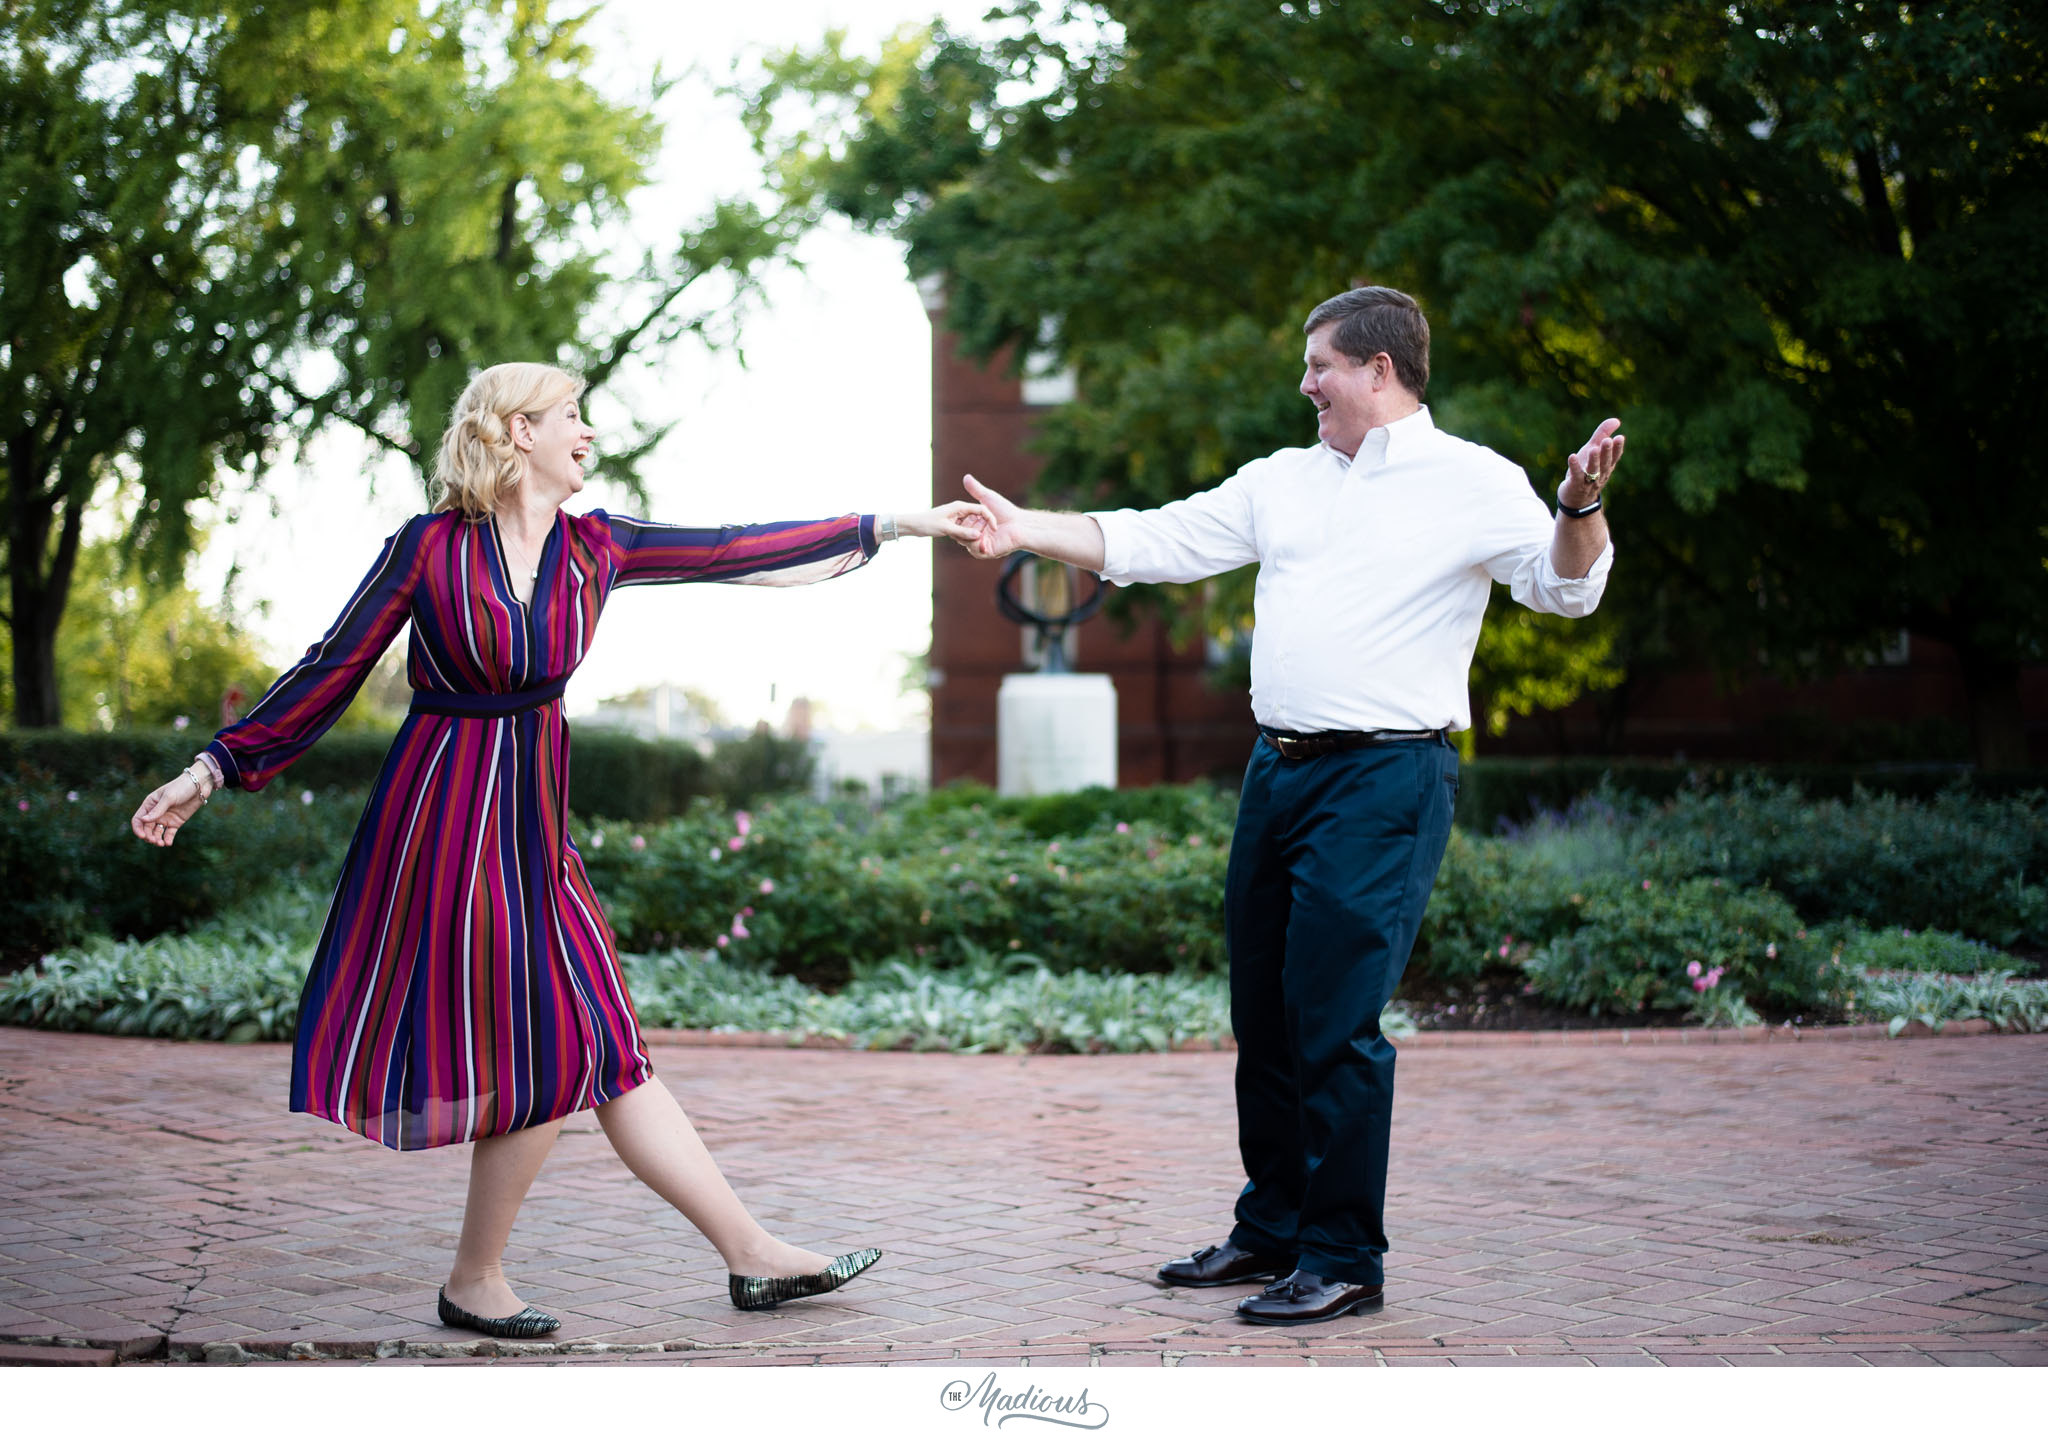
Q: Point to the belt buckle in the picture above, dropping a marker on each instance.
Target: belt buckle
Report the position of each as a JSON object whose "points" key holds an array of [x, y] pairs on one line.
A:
{"points": [[1283, 743]]}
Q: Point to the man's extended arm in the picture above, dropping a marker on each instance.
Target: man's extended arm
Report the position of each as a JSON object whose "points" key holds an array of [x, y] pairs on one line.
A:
{"points": [[1070, 537]]}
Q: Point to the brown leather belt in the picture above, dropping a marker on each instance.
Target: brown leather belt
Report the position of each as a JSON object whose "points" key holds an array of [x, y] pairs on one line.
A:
{"points": [[1301, 745]]}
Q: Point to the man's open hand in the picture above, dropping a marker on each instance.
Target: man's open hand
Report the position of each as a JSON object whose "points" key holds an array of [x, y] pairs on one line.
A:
{"points": [[1000, 528], [1593, 464]]}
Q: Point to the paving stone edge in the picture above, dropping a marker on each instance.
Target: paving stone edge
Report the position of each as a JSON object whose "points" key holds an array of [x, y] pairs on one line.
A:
{"points": [[1425, 1039]]}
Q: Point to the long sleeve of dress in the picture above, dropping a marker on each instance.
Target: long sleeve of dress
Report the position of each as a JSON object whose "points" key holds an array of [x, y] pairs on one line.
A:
{"points": [[310, 697], [766, 554]]}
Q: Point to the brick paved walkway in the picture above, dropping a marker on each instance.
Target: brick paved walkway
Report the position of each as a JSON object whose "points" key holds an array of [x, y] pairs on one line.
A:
{"points": [[1861, 1202]]}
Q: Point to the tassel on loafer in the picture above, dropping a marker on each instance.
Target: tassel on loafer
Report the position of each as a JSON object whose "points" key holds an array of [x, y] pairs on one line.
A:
{"points": [[528, 1322], [759, 1294]]}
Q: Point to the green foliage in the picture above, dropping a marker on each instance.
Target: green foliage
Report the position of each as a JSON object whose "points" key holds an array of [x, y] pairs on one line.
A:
{"points": [[71, 868], [1955, 863], [230, 220], [1742, 227], [842, 883], [1927, 951], [236, 978], [1933, 1000], [137, 652], [1641, 945]]}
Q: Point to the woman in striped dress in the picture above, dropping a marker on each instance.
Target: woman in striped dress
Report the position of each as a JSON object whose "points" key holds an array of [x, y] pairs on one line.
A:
{"points": [[466, 986]]}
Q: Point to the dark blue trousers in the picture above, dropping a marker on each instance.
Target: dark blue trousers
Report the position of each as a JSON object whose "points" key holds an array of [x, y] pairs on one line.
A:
{"points": [[1330, 869]]}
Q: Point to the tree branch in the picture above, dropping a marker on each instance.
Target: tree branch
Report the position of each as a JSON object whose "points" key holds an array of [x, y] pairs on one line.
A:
{"points": [[1877, 204]]}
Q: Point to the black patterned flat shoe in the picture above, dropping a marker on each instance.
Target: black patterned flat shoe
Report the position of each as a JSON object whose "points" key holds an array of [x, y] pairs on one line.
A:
{"points": [[526, 1323], [757, 1294]]}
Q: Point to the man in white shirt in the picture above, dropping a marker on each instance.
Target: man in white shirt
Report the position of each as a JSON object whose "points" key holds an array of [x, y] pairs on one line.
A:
{"points": [[1377, 549]]}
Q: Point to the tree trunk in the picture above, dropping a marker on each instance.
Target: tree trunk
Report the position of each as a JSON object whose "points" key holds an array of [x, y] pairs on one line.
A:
{"points": [[39, 580], [1998, 728]]}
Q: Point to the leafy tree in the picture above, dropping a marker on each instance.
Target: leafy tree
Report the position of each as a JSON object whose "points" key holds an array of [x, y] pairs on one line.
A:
{"points": [[138, 652], [1800, 245], [227, 223]]}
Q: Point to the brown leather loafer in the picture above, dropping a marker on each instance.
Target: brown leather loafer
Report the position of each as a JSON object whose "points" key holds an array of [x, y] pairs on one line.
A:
{"points": [[1310, 1298], [1222, 1263]]}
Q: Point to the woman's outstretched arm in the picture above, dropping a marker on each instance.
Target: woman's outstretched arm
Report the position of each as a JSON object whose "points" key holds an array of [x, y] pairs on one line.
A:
{"points": [[770, 554], [302, 703]]}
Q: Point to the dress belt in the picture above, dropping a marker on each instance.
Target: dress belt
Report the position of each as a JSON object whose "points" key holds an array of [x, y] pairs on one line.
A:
{"points": [[1300, 745], [486, 703]]}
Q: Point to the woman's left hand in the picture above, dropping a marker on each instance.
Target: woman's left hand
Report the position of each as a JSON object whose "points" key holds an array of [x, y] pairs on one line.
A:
{"points": [[962, 521]]}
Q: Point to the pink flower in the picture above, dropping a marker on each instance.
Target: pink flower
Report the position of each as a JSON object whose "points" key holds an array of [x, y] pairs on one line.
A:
{"points": [[639, 842], [1646, 884], [1123, 827], [717, 854], [723, 942], [1771, 951], [305, 798], [1503, 949], [1693, 969], [740, 932], [1194, 840], [743, 822], [747, 910], [767, 887], [1714, 976], [1013, 879], [1052, 848], [1700, 986], [734, 843], [179, 723], [21, 805], [597, 840], [71, 796]]}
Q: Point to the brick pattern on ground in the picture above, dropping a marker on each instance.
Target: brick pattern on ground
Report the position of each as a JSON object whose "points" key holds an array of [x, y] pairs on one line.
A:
{"points": [[1843, 1202]]}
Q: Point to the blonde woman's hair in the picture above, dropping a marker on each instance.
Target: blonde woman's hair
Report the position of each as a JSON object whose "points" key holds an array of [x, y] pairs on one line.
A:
{"points": [[478, 467]]}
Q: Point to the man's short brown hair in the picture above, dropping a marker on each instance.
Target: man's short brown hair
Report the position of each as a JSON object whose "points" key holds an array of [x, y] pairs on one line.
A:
{"points": [[1378, 320]]}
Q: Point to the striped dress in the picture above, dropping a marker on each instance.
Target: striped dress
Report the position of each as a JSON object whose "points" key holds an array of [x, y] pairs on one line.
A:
{"points": [[466, 983]]}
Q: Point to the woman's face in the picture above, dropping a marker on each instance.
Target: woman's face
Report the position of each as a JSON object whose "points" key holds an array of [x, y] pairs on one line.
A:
{"points": [[559, 447]]}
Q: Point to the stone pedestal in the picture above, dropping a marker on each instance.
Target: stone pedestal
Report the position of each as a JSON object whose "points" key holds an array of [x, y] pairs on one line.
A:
{"points": [[1055, 733]]}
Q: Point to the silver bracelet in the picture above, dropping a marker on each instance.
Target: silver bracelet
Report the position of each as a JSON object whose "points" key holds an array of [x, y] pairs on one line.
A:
{"points": [[885, 528]]}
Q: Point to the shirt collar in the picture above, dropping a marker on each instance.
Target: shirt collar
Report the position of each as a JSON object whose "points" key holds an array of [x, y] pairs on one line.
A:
{"points": [[1397, 439]]}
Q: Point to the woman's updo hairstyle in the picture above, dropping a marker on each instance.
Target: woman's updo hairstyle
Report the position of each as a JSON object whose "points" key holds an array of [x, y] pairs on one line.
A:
{"points": [[478, 466]]}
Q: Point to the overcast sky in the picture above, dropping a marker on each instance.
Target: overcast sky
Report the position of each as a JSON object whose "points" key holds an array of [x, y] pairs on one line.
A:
{"points": [[831, 414]]}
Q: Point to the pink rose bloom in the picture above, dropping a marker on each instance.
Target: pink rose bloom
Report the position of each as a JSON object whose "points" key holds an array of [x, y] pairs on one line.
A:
{"points": [[747, 910], [767, 887], [743, 822], [1646, 884], [1013, 879], [1693, 969], [734, 843], [1713, 976], [1123, 827], [639, 842], [1052, 848], [1699, 986], [21, 805], [723, 942]]}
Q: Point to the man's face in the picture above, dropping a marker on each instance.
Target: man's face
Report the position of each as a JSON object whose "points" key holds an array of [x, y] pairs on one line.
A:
{"points": [[1343, 389]]}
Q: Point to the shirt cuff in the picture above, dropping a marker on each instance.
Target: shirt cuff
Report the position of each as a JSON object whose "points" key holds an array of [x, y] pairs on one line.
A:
{"points": [[1116, 545], [869, 542], [230, 773]]}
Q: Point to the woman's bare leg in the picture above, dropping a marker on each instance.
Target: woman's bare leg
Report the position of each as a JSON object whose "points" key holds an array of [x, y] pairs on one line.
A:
{"points": [[501, 1170], [660, 1145]]}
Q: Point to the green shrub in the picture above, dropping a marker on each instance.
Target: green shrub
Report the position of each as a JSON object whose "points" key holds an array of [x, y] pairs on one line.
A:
{"points": [[1641, 945], [1957, 862], [71, 868], [1934, 951]]}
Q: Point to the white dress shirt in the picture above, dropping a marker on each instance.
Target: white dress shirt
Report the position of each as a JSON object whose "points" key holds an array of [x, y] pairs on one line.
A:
{"points": [[1373, 572]]}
